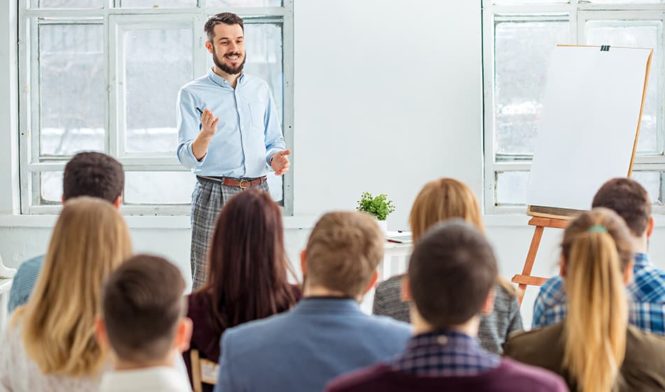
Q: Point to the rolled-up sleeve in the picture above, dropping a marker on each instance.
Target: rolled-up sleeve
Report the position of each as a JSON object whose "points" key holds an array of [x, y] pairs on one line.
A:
{"points": [[273, 129], [188, 127]]}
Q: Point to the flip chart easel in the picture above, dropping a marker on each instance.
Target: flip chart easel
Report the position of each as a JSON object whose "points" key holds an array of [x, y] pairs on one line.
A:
{"points": [[588, 134]]}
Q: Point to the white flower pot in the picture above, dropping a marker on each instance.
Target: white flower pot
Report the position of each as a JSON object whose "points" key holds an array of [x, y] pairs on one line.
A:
{"points": [[383, 225]]}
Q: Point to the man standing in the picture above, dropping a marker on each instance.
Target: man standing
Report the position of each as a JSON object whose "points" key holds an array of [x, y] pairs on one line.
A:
{"points": [[229, 133]]}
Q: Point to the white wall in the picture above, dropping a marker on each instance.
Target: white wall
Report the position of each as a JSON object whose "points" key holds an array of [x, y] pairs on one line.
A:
{"points": [[387, 96]]}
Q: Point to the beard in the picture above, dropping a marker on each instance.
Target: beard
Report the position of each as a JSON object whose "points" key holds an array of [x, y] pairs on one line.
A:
{"points": [[226, 68]]}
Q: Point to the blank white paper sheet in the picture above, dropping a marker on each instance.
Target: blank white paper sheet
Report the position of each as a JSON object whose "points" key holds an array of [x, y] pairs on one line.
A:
{"points": [[587, 130]]}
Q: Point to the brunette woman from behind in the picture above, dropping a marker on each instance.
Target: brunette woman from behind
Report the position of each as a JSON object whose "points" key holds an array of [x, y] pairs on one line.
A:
{"points": [[247, 273]]}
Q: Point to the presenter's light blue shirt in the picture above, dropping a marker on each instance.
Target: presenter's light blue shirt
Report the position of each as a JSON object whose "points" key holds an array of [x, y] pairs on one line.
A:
{"points": [[248, 132]]}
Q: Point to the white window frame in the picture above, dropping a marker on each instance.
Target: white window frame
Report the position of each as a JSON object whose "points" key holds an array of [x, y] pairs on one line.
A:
{"points": [[578, 13], [114, 20]]}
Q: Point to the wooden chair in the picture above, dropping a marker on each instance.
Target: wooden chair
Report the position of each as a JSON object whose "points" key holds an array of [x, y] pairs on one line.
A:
{"points": [[204, 371]]}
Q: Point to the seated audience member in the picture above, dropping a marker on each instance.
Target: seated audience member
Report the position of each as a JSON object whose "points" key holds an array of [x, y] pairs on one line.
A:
{"points": [[49, 344], [631, 202], [143, 321], [438, 201], [451, 280], [247, 273], [87, 174], [325, 334], [594, 348]]}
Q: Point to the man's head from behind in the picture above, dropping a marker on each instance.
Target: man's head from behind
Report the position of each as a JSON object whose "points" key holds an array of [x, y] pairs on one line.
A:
{"points": [[630, 201], [143, 311], [93, 174], [343, 253], [451, 275]]}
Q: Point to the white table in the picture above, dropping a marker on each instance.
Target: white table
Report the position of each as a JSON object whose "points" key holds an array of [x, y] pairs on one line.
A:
{"points": [[5, 285]]}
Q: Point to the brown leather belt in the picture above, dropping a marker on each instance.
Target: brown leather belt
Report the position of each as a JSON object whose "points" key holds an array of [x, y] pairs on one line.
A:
{"points": [[242, 183]]}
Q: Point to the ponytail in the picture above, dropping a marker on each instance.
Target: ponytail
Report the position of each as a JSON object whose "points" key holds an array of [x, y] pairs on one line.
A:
{"points": [[597, 316]]}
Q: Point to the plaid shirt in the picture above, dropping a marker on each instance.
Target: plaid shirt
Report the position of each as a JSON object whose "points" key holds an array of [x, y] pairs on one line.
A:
{"points": [[646, 292], [445, 354]]}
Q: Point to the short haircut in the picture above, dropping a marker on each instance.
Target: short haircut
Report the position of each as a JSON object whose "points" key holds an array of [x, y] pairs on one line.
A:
{"points": [[628, 199], [451, 272], [93, 174], [141, 305], [343, 251], [227, 18]]}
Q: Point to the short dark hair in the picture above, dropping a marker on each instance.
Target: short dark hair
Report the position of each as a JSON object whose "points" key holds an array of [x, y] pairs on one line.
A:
{"points": [[628, 199], [451, 272], [141, 305], [93, 174], [227, 18]]}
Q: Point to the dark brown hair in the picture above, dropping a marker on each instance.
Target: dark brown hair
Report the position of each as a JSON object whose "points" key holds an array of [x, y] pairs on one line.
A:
{"points": [[343, 252], [141, 304], [247, 264], [227, 18], [627, 198], [451, 272], [93, 174]]}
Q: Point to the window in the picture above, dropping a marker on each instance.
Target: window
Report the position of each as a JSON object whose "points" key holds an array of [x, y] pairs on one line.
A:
{"points": [[518, 37], [103, 75]]}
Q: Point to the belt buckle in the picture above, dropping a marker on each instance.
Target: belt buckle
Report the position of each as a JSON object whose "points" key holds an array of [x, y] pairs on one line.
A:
{"points": [[243, 187]]}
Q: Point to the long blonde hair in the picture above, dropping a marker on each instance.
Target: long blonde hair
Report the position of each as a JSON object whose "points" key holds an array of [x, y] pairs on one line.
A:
{"points": [[442, 199], [596, 250], [89, 240]]}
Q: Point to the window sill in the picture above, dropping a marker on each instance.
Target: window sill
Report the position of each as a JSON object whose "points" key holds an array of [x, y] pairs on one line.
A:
{"points": [[140, 222]]}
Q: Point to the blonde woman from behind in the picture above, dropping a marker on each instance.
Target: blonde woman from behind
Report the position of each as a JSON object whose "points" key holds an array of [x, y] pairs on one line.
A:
{"points": [[594, 348], [438, 201], [50, 342]]}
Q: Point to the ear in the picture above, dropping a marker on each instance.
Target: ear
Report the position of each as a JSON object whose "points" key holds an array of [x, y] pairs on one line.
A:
{"points": [[117, 203], [183, 334], [651, 224], [100, 333], [628, 273], [406, 289], [488, 306], [208, 46], [303, 262], [372, 281], [562, 266]]}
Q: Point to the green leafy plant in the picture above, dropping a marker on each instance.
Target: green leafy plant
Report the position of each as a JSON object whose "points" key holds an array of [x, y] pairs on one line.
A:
{"points": [[379, 205]]}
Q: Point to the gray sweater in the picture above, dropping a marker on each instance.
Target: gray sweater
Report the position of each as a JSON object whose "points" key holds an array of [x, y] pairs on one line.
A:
{"points": [[494, 327]]}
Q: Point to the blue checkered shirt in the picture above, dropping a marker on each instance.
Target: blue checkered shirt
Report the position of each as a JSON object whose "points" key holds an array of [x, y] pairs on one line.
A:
{"points": [[646, 293], [445, 354]]}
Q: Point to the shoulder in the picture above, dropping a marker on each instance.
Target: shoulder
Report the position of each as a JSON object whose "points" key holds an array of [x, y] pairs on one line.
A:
{"points": [[191, 87], [648, 285], [360, 380], [24, 281], [390, 285], [29, 268], [503, 298], [252, 335], [198, 306], [552, 291], [645, 347], [531, 376], [525, 344]]}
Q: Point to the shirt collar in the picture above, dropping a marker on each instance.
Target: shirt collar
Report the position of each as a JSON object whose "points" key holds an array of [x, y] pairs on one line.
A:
{"points": [[445, 353], [641, 260], [221, 81]]}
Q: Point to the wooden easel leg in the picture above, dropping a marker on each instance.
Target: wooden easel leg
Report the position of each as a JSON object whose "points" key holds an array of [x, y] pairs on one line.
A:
{"points": [[530, 259]]}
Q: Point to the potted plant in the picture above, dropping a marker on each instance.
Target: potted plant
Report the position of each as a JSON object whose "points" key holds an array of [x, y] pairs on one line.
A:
{"points": [[379, 206]]}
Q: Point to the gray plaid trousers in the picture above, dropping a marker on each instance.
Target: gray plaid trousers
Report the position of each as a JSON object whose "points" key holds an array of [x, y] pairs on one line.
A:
{"points": [[208, 199]]}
